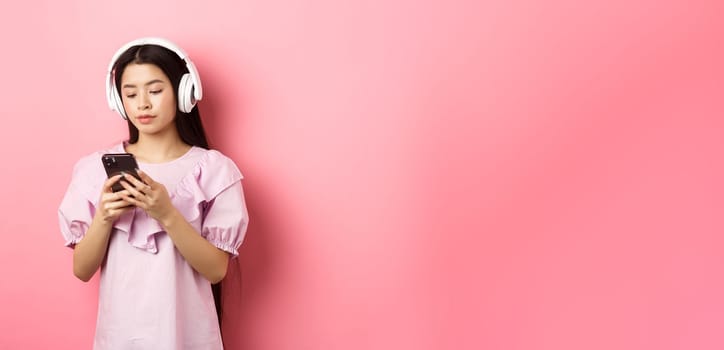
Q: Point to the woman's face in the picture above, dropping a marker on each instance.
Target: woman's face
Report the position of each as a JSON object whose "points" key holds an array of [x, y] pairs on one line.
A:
{"points": [[148, 98]]}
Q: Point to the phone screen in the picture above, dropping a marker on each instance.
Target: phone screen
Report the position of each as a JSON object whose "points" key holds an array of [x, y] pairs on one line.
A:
{"points": [[115, 163]]}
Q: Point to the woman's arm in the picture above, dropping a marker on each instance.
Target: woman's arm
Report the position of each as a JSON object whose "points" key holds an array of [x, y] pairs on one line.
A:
{"points": [[90, 251], [204, 257]]}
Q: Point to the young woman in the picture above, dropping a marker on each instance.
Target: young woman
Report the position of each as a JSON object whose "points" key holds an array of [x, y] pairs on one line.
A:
{"points": [[163, 241]]}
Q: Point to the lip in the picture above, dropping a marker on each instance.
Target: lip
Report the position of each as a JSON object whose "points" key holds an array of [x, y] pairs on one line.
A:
{"points": [[144, 119]]}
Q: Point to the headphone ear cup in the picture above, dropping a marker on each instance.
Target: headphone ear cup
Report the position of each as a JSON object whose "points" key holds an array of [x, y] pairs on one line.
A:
{"points": [[186, 101], [118, 103]]}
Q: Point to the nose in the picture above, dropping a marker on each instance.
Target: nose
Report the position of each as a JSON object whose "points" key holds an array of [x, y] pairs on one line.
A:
{"points": [[143, 102]]}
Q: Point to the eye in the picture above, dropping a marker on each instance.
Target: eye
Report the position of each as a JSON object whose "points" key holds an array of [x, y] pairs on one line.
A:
{"points": [[155, 92], [130, 95]]}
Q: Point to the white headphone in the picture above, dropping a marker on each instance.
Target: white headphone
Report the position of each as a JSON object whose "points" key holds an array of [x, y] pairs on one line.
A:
{"points": [[189, 89]]}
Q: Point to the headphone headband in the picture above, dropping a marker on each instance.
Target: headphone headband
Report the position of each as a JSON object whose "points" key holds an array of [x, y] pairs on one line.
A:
{"points": [[189, 90]]}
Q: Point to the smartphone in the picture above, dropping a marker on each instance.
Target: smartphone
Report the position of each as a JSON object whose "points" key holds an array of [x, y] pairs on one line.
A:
{"points": [[115, 163]]}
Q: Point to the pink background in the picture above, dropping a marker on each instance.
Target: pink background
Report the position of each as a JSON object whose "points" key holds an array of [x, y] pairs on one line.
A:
{"points": [[420, 175]]}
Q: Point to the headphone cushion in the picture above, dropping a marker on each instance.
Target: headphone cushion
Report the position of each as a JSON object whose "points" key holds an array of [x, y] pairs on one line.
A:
{"points": [[118, 102], [186, 101]]}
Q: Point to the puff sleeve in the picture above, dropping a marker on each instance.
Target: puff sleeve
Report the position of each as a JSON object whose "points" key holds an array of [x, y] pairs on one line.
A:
{"points": [[226, 219], [76, 210], [213, 201]]}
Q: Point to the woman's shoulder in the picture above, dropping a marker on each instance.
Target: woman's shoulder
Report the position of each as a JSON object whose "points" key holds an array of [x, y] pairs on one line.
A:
{"points": [[217, 161], [92, 161], [88, 173], [212, 174]]}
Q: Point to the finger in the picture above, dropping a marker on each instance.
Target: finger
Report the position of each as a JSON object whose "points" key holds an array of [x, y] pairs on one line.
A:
{"points": [[119, 211], [132, 190], [109, 183], [117, 205], [113, 196], [148, 182], [141, 186], [147, 179], [134, 201]]}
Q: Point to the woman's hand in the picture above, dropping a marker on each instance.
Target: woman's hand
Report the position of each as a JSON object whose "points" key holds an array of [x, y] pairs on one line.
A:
{"points": [[148, 195], [112, 204]]}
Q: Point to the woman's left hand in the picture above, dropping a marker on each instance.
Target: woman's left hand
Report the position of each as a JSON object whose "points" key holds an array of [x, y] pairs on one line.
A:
{"points": [[148, 195]]}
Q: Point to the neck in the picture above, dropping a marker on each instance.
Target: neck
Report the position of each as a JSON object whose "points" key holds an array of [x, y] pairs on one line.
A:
{"points": [[158, 148]]}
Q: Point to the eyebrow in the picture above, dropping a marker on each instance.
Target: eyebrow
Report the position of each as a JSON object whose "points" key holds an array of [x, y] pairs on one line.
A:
{"points": [[147, 84]]}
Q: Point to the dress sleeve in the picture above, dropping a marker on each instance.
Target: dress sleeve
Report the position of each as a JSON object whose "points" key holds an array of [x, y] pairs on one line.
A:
{"points": [[212, 200], [76, 210], [226, 219]]}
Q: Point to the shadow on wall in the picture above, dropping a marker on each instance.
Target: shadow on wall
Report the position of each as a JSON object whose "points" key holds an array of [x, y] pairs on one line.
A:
{"points": [[224, 107], [250, 276]]}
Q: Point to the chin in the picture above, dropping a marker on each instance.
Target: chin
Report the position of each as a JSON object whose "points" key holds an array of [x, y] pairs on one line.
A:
{"points": [[153, 129]]}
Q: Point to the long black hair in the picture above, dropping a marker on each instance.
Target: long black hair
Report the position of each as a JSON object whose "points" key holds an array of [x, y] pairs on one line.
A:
{"points": [[188, 125]]}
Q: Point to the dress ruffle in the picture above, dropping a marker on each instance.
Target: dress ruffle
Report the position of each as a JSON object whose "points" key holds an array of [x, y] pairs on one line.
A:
{"points": [[192, 196]]}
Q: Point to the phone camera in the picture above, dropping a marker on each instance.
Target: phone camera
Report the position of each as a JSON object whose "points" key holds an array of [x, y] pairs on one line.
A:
{"points": [[109, 161]]}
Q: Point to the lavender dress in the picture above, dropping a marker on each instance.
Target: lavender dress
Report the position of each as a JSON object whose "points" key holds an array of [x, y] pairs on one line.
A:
{"points": [[149, 296]]}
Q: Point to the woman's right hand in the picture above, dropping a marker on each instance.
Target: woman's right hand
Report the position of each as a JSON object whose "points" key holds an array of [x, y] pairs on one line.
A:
{"points": [[111, 204]]}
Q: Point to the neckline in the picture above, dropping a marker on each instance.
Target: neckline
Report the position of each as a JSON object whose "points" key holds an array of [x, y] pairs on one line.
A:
{"points": [[123, 145]]}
